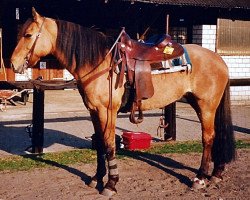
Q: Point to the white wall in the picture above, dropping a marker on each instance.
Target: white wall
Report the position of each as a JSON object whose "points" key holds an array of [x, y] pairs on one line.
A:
{"points": [[24, 77], [67, 75], [239, 66]]}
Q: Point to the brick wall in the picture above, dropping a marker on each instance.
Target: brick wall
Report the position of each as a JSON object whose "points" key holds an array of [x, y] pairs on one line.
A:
{"points": [[239, 66]]}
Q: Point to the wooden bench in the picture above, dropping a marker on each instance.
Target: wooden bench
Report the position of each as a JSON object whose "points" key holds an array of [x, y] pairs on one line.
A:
{"points": [[7, 95]]}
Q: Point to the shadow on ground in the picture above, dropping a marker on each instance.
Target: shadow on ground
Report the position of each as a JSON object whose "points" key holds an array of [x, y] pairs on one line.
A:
{"points": [[14, 139]]}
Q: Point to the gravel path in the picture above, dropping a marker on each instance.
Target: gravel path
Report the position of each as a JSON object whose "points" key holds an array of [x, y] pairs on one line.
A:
{"points": [[147, 176], [68, 125]]}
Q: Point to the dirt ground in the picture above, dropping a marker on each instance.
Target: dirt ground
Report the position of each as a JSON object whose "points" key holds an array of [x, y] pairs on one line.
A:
{"points": [[68, 126], [145, 177]]}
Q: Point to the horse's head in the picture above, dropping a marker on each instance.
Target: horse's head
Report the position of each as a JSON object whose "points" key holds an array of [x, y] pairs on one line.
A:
{"points": [[37, 39]]}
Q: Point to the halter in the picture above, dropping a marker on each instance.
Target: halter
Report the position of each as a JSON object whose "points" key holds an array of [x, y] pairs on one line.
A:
{"points": [[29, 55]]}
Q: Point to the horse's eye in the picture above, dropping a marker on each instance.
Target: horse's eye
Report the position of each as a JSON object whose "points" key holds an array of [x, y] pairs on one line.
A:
{"points": [[27, 35]]}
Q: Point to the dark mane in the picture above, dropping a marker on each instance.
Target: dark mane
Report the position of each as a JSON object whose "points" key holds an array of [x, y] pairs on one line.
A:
{"points": [[85, 45]]}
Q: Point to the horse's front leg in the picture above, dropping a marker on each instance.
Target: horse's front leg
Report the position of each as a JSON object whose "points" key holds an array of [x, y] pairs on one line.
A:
{"points": [[108, 121], [104, 121], [97, 179]]}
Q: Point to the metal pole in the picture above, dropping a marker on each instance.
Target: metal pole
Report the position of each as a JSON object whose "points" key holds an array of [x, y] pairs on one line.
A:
{"points": [[167, 23], [170, 119], [38, 121]]}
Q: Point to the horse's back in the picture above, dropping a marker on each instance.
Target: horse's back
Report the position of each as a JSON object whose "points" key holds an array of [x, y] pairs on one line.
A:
{"points": [[205, 59], [209, 75], [207, 79]]}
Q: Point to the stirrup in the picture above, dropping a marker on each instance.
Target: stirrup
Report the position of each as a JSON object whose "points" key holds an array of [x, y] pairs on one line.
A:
{"points": [[132, 115]]}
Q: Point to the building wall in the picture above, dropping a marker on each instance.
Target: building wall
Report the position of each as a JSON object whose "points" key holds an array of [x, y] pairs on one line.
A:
{"points": [[24, 77], [67, 75], [239, 66], [29, 75]]}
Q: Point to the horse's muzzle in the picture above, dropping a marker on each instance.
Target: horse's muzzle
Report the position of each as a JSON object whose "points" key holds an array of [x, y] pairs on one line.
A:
{"points": [[20, 69]]}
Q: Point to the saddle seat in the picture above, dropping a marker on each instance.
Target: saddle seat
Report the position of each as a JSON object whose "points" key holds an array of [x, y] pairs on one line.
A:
{"points": [[137, 57], [159, 48]]}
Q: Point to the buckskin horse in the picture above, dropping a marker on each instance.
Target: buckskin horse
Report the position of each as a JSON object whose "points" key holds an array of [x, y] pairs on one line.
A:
{"points": [[85, 54]]}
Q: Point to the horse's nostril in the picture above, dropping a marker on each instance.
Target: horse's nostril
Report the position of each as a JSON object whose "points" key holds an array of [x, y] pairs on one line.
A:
{"points": [[13, 67]]}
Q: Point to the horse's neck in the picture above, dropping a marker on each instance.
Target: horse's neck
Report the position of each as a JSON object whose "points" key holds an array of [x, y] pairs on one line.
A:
{"points": [[63, 61], [67, 57], [51, 27], [61, 57]]}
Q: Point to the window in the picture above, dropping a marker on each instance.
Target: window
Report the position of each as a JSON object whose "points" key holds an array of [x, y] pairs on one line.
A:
{"points": [[178, 34], [233, 37]]}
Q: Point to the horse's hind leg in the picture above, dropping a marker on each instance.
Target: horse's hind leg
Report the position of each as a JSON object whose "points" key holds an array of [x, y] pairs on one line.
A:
{"points": [[207, 116], [224, 143], [217, 135]]}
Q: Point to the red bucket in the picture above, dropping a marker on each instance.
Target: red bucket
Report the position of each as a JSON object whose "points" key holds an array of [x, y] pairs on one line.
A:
{"points": [[136, 140]]}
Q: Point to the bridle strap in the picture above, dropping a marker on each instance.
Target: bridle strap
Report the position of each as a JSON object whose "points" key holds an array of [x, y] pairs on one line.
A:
{"points": [[31, 51], [95, 76]]}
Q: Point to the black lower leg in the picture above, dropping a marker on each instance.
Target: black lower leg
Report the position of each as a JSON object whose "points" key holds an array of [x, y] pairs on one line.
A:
{"points": [[206, 158], [218, 170], [101, 159], [113, 177]]}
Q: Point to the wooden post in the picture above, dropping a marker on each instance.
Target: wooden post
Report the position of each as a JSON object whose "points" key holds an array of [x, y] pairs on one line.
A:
{"points": [[2, 67], [38, 121], [170, 110], [24, 97], [1, 59], [170, 119]]}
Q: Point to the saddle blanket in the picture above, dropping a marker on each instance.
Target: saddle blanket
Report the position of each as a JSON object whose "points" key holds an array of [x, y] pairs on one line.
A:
{"points": [[180, 64], [179, 68]]}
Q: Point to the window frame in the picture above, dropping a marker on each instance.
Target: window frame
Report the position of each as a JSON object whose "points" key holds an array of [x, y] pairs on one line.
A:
{"points": [[233, 37]]}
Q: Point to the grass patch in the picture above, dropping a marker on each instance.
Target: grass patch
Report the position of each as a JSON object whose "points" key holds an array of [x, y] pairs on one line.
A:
{"points": [[182, 147], [27, 162], [243, 144]]}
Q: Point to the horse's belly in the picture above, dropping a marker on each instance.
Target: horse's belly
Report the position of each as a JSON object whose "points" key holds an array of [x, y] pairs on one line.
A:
{"points": [[167, 89]]}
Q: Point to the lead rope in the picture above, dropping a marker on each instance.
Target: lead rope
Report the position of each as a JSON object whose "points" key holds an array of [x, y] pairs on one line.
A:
{"points": [[88, 80], [111, 70], [162, 124], [112, 67]]}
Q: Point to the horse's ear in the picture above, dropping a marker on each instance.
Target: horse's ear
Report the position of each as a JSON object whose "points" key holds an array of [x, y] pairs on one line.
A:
{"points": [[35, 15]]}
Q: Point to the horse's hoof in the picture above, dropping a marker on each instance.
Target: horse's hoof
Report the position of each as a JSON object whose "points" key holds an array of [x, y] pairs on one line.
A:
{"points": [[215, 179], [198, 184], [108, 193], [92, 184]]}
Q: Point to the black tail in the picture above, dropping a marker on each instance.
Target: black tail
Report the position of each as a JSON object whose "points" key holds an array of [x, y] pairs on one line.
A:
{"points": [[224, 143]]}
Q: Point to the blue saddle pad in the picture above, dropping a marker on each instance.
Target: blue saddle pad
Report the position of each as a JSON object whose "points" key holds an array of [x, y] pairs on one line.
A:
{"points": [[178, 61]]}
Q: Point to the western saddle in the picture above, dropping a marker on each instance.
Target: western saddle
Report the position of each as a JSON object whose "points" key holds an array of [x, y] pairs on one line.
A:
{"points": [[137, 58]]}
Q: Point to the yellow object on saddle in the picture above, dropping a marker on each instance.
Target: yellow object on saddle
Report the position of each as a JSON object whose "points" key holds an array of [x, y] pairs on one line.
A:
{"points": [[168, 50]]}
